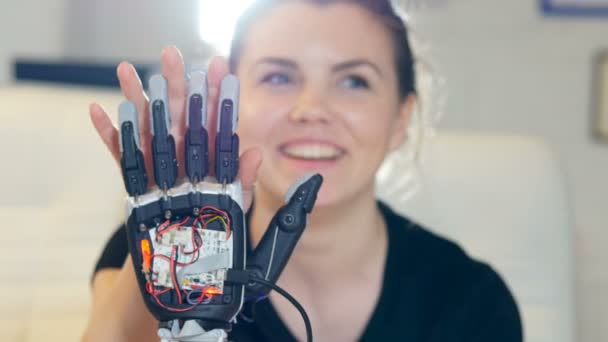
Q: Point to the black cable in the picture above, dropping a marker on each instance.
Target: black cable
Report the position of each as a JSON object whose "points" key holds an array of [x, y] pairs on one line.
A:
{"points": [[291, 300], [251, 318]]}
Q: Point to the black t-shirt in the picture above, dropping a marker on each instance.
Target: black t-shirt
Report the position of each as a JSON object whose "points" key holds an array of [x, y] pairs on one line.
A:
{"points": [[432, 292]]}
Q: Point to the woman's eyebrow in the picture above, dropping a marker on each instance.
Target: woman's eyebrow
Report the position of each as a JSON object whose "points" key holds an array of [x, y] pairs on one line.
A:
{"points": [[355, 63], [284, 62]]}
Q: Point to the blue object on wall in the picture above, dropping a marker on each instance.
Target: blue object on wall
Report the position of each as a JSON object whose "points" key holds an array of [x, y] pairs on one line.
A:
{"points": [[72, 72], [576, 8]]}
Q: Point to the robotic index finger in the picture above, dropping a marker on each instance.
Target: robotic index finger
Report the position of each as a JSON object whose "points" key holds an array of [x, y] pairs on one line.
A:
{"points": [[197, 136]]}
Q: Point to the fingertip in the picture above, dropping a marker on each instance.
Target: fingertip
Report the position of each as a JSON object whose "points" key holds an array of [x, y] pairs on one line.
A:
{"points": [[218, 61], [165, 50], [171, 55], [170, 49], [251, 161], [252, 156], [93, 107], [95, 110], [122, 69], [256, 153], [218, 68]]}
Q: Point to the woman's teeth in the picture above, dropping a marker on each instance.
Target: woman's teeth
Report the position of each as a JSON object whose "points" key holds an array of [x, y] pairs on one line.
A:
{"points": [[312, 151]]}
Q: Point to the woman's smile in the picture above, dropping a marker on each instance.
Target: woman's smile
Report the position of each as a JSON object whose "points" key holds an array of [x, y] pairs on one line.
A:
{"points": [[311, 154]]}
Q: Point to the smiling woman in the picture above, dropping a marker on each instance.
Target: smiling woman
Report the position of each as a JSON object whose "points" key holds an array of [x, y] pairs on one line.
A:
{"points": [[329, 86], [336, 96]]}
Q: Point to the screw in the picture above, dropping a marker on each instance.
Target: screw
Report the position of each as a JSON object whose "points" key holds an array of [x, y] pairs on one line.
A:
{"points": [[288, 219]]}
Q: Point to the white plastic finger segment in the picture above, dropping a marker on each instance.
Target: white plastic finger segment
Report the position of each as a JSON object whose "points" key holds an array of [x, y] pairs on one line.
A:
{"points": [[296, 185], [159, 107]]}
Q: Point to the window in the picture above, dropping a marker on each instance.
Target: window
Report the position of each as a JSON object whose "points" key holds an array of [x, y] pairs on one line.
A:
{"points": [[217, 20]]}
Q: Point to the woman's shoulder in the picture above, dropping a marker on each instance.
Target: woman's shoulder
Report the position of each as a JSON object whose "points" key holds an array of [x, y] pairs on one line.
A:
{"points": [[420, 251], [417, 241], [448, 288]]}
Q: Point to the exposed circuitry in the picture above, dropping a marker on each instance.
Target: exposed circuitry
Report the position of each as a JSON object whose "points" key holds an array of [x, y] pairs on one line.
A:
{"points": [[185, 261]]}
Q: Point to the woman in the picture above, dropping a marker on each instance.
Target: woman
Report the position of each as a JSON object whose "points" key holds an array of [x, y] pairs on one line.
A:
{"points": [[326, 86]]}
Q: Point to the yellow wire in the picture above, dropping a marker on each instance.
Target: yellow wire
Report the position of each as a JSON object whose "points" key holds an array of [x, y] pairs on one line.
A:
{"points": [[221, 219]]}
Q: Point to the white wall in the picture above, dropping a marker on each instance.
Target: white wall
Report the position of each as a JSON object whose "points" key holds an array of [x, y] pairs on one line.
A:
{"points": [[509, 69], [107, 31], [30, 28], [137, 30]]}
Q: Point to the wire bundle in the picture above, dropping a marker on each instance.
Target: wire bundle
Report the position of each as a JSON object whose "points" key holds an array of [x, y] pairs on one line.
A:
{"points": [[208, 215]]}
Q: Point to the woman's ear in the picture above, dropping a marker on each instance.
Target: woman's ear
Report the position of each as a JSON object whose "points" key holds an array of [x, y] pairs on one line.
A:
{"points": [[402, 122]]}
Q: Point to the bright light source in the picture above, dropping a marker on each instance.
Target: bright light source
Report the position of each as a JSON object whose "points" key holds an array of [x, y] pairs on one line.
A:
{"points": [[217, 20]]}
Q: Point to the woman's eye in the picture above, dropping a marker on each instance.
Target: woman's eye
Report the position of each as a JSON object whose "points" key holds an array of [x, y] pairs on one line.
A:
{"points": [[276, 79], [355, 82]]}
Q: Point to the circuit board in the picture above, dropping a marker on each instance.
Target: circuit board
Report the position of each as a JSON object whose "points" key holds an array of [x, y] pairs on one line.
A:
{"points": [[214, 243], [185, 261]]}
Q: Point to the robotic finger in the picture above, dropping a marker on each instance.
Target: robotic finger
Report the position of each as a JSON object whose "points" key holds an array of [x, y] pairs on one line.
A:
{"points": [[197, 150], [285, 229], [132, 159], [226, 141], [163, 144]]}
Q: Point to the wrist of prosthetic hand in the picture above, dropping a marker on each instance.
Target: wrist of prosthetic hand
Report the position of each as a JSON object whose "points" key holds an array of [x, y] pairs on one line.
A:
{"points": [[187, 237]]}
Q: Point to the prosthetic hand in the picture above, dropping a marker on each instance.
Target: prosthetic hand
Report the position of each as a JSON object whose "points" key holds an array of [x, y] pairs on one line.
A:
{"points": [[187, 237]]}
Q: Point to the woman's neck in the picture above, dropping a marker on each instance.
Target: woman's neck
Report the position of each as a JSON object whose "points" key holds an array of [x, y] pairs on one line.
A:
{"points": [[344, 236]]}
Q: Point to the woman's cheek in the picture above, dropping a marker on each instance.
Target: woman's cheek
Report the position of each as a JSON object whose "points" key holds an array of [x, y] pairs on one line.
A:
{"points": [[371, 129], [258, 125]]}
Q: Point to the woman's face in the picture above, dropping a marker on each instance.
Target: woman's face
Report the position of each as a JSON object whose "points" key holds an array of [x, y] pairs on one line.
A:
{"points": [[319, 93]]}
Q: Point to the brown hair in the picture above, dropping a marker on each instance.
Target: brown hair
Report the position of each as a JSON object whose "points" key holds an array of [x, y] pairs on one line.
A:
{"points": [[383, 9]]}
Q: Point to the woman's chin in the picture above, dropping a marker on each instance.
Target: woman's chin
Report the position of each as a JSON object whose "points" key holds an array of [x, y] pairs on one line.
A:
{"points": [[324, 200], [333, 190]]}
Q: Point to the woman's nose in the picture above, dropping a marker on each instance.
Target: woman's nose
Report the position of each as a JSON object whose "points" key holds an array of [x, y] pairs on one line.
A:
{"points": [[311, 106]]}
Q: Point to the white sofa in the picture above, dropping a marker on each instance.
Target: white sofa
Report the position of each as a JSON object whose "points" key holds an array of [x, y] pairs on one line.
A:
{"points": [[502, 198], [62, 196]]}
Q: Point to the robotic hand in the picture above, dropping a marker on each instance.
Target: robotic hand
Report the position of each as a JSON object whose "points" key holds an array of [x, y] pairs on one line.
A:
{"points": [[187, 238]]}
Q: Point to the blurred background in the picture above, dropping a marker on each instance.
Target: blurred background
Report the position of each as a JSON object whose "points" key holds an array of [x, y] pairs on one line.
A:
{"points": [[530, 70]]}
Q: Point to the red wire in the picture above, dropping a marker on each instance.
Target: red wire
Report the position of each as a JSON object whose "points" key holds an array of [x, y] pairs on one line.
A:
{"points": [[223, 214], [161, 256], [151, 290], [156, 293], [195, 249], [195, 245], [163, 225], [194, 259], [173, 277], [160, 231], [164, 228]]}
